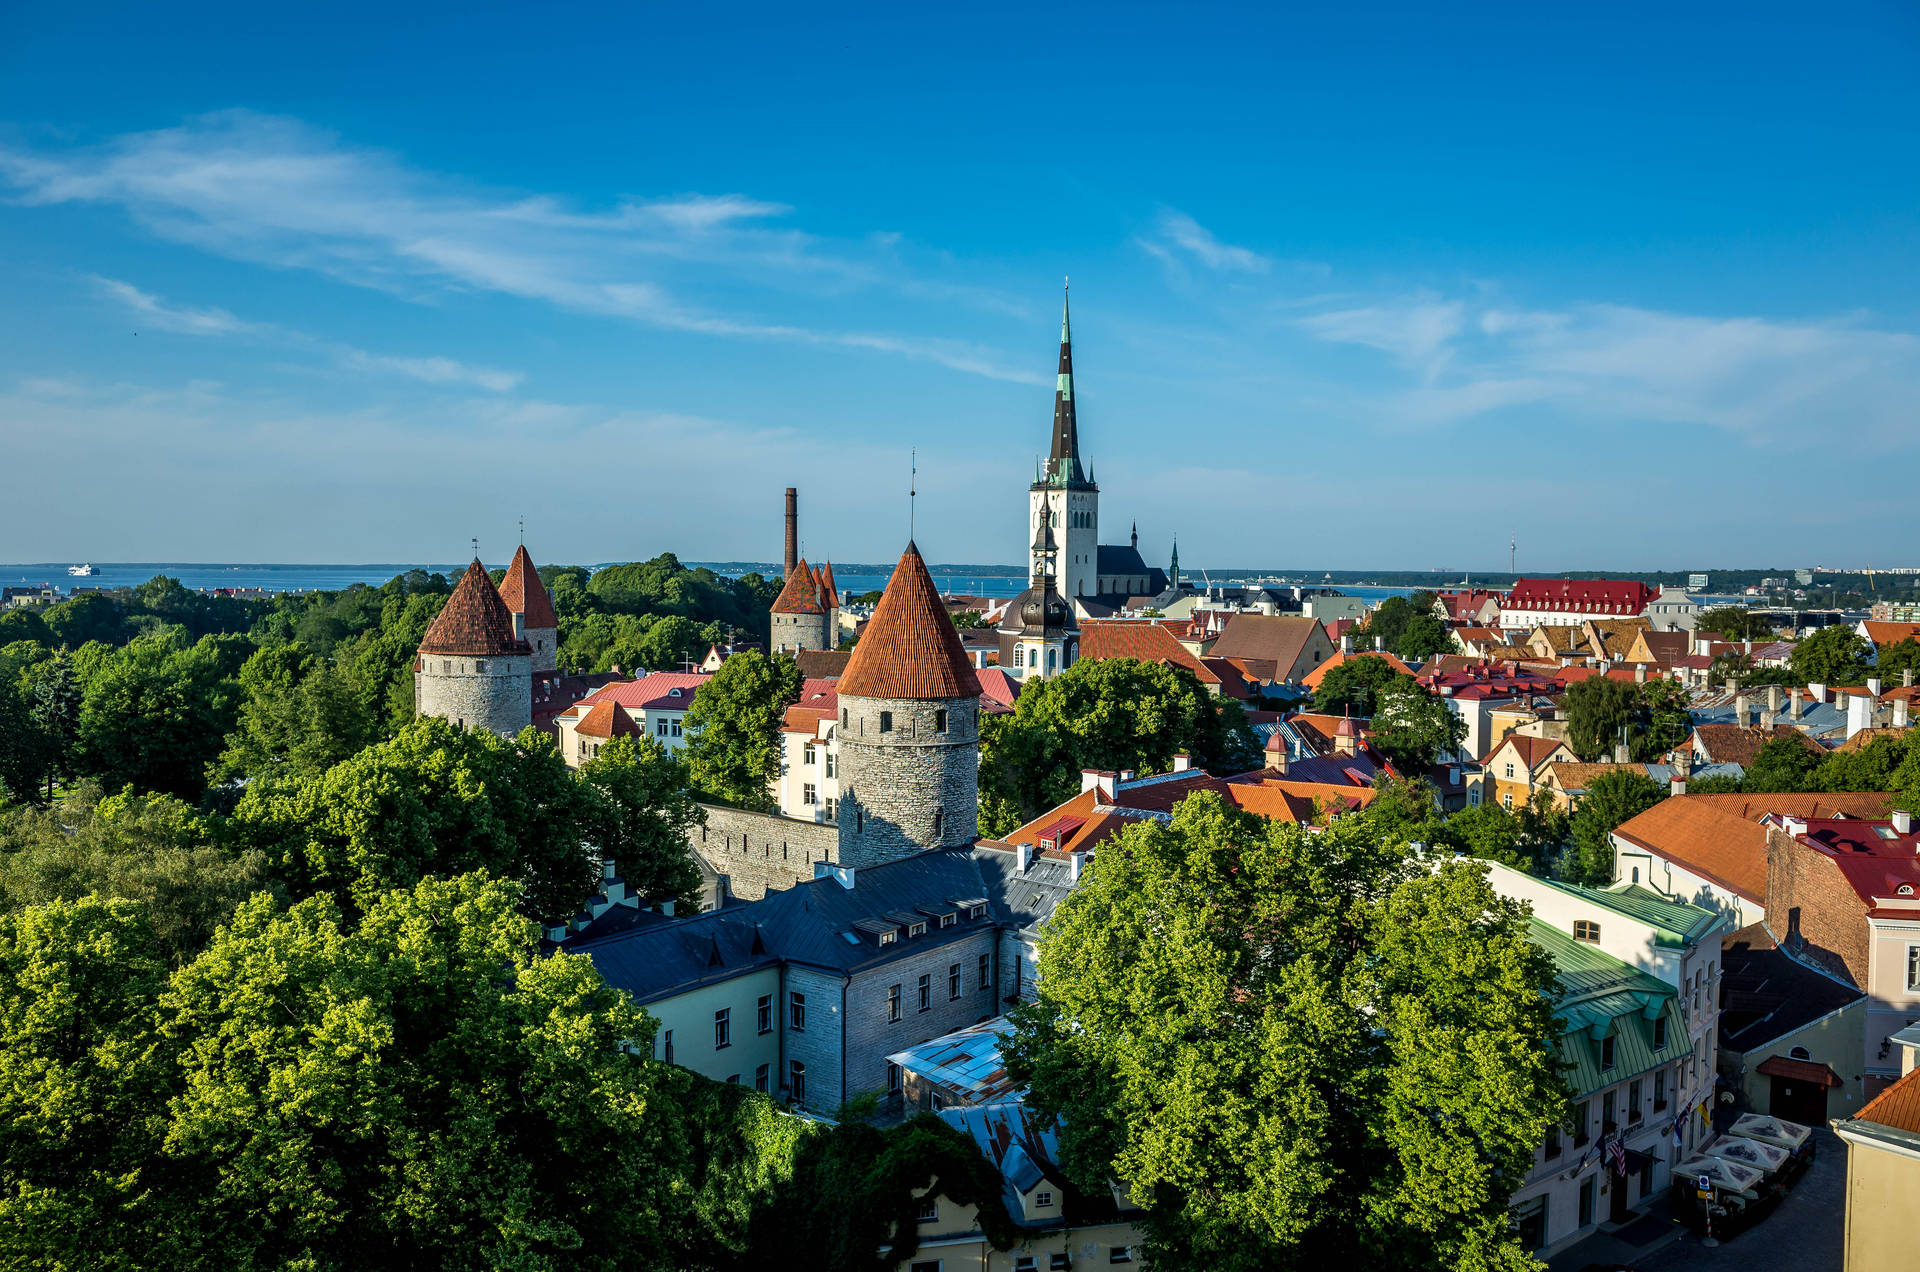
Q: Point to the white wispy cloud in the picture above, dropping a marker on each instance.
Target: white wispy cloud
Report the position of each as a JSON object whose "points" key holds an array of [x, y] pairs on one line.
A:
{"points": [[277, 191], [1780, 381], [1178, 230], [158, 314]]}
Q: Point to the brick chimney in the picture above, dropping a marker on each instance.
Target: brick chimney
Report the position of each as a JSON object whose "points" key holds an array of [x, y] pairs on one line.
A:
{"points": [[1741, 711], [1793, 704], [793, 529]]}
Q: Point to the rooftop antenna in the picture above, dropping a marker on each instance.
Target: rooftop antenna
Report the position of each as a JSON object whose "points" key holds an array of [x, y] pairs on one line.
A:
{"points": [[913, 482], [1513, 547]]}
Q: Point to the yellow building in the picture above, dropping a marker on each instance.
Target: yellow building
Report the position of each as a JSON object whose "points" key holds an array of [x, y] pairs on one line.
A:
{"points": [[1060, 1227], [1516, 764], [1883, 1171]]}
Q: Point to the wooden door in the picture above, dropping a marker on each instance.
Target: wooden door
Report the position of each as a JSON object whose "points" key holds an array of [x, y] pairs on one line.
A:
{"points": [[1797, 1101]]}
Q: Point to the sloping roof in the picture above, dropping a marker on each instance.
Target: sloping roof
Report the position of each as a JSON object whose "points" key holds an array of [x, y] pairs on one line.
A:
{"points": [[525, 594], [1025, 898], [1897, 1107], [1273, 638], [802, 592], [1677, 923], [605, 720], [824, 576], [1574, 776], [1591, 596], [818, 664], [669, 690], [1120, 559], [999, 690], [1600, 996], [1666, 646], [1148, 642], [966, 1060], [1021, 1145], [1884, 633], [910, 648], [474, 621], [1531, 750], [1720, 838], [1313, 678], [1731, 744], [1766, 995]]}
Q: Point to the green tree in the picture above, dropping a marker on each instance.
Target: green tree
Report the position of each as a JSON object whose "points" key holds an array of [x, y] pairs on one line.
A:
{"points": [[88, 616], [26, 752], [83, 1088], [158, 712], [1782, 764], [1612, 799], [1897, 659], [1665, 720], [1529, 838], [670, 641], [1295, 1047], [435, 800], [1874, 767], [640, 818], [1424, 636], [56, 699], [1350, 686], [1735, 622], [1106, 713], [297, 714], [1831, 656], [1414, 728], [1386, 623], [870, 1175], [1600, 714], [733, 728], [147, 848]]}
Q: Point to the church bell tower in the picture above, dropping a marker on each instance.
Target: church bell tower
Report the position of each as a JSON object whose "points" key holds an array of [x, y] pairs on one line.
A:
{"points": [[1062, 488]]}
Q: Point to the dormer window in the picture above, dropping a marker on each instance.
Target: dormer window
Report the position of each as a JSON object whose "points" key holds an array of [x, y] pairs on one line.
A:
{"points": [[1606, 1054], [673, 693]]}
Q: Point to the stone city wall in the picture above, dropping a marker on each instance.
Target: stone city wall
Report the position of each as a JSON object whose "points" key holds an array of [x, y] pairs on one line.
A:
{"points": [[761, 852], [499, 698]]}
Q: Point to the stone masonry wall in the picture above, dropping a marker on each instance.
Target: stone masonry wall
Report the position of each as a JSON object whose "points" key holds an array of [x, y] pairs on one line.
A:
{"points": [[871, 1037], [499, 698], [794, 632], [1832, 919], [545, 643], [818, 1045], [893, 783], [758, 852]]}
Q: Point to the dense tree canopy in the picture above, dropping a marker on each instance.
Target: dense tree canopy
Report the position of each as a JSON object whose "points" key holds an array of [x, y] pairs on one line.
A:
{"points": [[1106, 713], [1414, 728], [733, 728], [1611, 799], [1782, 764], [1831, 656], [1734, 622], [1407, 626], [1349, 687], [1528, 838], [1298, 1049], [1651, 718], [639, 816]]}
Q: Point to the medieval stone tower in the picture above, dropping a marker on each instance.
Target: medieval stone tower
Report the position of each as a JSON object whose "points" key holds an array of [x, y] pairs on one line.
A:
{"points": [[473, 667], [909, 729], [532, 610], [806, 614]]}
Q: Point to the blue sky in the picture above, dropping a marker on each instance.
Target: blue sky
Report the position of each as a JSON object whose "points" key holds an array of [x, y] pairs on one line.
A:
{"points": [[1354, 285]]}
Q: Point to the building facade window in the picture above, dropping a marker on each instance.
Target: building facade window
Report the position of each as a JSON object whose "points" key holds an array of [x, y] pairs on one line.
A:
{"points": [[886, 722], [797, 1012], [1607, 1125], [1586, 930], [1580, 1124], [936, 823], [666, 1046], [809, 794], [986, 972], [1913, 968], [940, 720], [893, 1078], [797, 1079], [760, 1078], [953, 982], [1799, 1053], [1660, 1034], [807, 753], [929, 1211], [1606, 1053], [723, 1028], [893, 1005], [763, 1014], [926, 993], [1659, 1090], [1633, 1101]]}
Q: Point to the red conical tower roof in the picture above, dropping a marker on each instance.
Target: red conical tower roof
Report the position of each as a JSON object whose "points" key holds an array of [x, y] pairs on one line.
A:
{"points": [[525, 594], [825, 575], [475, 621], [797, 597], [910, 649]]}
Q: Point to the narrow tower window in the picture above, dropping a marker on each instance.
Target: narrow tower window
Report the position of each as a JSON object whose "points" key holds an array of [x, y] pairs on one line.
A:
{"points": [[886, 722], [940, 720]]}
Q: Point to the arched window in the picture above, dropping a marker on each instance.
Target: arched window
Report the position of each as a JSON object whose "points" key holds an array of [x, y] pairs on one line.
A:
{"points": [[1052, 656], [1799, 1053], [1019, 656]]}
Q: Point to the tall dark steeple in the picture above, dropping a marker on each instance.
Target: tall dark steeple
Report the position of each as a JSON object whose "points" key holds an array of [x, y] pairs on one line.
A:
{"points": [[1063, 462]]}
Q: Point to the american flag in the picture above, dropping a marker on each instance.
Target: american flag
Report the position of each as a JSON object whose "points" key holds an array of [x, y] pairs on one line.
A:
{"points": [[1617, 1154]]}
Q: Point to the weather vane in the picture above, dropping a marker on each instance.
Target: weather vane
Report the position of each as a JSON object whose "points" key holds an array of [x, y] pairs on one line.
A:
{"points": [[913, 483], [476, 547]]}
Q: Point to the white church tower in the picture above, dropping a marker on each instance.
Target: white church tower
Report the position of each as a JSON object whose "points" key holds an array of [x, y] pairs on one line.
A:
{"points": [[1064, 488]]}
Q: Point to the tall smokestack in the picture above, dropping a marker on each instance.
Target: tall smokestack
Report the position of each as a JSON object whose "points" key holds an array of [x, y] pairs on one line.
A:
{"points": [[793, 529]]}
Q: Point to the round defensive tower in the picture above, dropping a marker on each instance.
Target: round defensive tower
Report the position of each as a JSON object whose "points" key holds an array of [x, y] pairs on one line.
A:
{"points": [[909, 728], [533, 618], [473, 669], [802, 614]]}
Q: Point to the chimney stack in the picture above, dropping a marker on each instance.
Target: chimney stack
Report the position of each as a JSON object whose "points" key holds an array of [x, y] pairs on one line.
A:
{"points": [[1766, 721], [1639, 673], [1899, 713], [1773, 699], [1793, 704], [1740, 710], [1902, 822], [1346, 644], [1379, 644], [793, 529], [1076, 862], [1874, 685], [1677, 784]]}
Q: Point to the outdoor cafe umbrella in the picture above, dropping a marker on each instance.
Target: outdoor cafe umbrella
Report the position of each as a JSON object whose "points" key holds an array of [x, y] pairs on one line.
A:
{"points": [[1770, 1130]]}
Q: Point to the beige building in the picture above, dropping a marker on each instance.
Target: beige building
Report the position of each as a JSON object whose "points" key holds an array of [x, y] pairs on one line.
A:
{"points": [[653, 706], [1883, 1171], [1059, 1226]]}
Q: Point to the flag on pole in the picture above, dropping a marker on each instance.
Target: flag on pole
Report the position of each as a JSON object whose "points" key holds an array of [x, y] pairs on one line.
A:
{"points": [[1617, 1152]]}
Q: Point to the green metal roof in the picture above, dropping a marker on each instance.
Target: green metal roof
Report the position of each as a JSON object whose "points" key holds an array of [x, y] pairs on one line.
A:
{"points": [[1675, 923], [1601, 997]]}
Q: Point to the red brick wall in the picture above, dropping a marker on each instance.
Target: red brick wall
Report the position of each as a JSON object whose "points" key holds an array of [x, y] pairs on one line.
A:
{"points": [[1832, 918]]}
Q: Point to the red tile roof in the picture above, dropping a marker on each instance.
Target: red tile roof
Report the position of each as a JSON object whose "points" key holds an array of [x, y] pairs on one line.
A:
{"points": [[1313, 678], [910, 648], [1719, 837], [1580, 596], [1876, 867], [1148, 642], [1731, 744], [671, 690], [1898, 1106], [999, 691], [474, 621], [1264, 641], [818, 663], [825, 577], [1532, 751], [1799, 1071], [606, 720], [525, 594], [1881, 633], [802, 593]]}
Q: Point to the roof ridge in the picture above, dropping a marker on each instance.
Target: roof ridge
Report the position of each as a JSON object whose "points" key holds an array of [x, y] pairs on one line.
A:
{"points": [[910, 648]]}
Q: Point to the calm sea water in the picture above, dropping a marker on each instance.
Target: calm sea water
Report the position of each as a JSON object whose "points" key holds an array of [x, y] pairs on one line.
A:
{"points": [[307, 578]]}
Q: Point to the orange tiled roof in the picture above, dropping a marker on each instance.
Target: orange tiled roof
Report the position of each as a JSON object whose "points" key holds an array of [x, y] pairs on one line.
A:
{"points": [[1731, 744], [474, 621], [1898, 1106], [1148, 642], [525, 594], [910, 648], [1313, 678], [1882, 633], [1720, 837], [818, 664], [1277, 639], [801, 595], [1531, 750], [605, 720]]}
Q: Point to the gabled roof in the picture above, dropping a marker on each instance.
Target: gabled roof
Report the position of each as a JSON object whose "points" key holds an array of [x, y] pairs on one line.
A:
{"points": [[1580, 596], [1897, 1107], [910, 648], [1600, 996], [525, 594], [1121, 558], [802, 592], [1731, 744], [668, 690], [822, 663], [824, 576], [966, 1060], [1766, 995], [1021, 1145], [1884, 633], [1275, 639], [1532, 751], [1148, 642], [474, 621], [1313, 678], [1720, 838], [605, 720]]}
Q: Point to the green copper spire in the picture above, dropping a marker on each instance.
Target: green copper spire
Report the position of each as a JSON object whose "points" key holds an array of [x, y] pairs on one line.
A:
{"points": [[1173, 566], [1064, 458]]}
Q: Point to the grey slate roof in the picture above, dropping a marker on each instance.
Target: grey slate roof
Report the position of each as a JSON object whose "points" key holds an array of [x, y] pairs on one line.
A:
{"points": [[805, 924], [1024, 901]]}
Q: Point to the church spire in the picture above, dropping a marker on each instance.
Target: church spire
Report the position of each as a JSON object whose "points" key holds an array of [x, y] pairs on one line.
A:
{"points": [[1064, 460]]}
